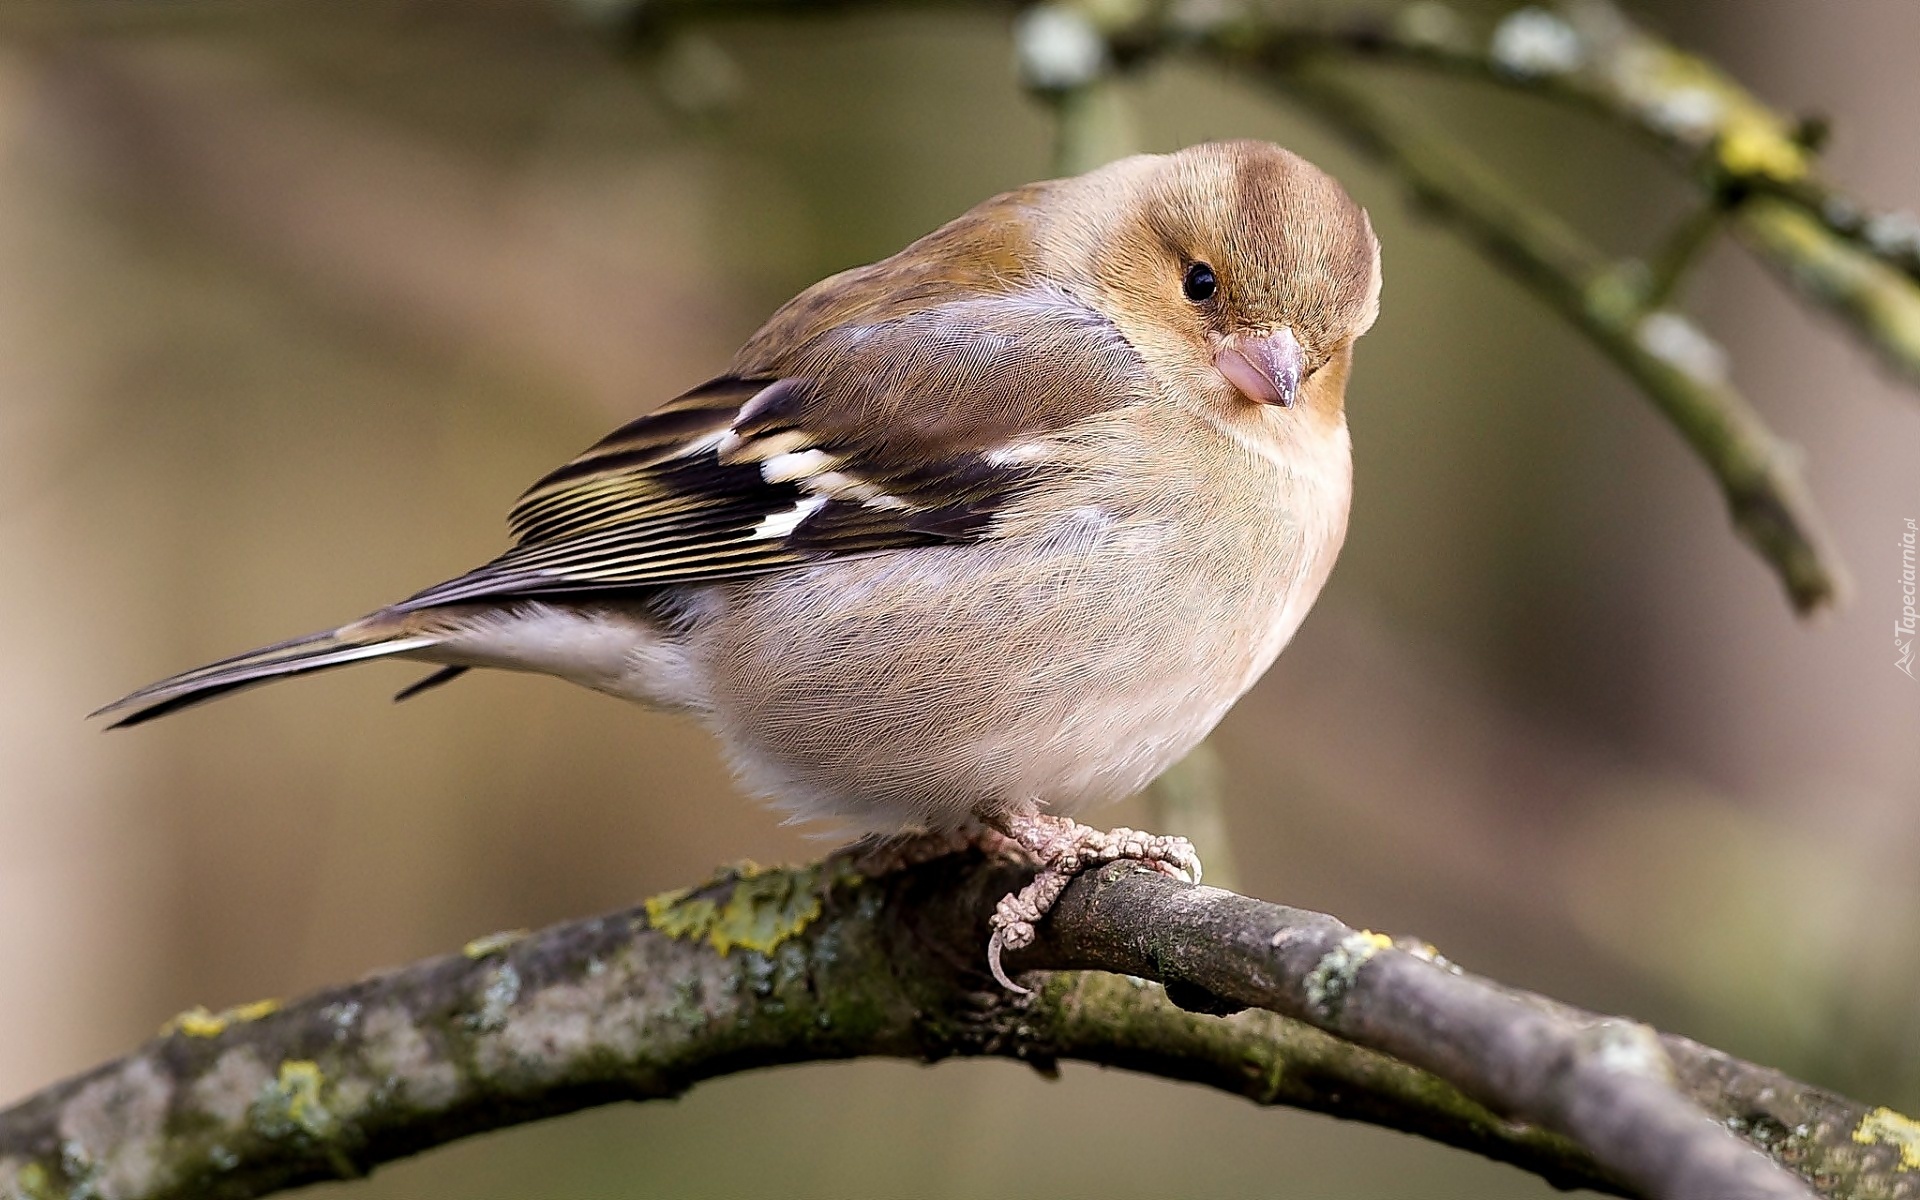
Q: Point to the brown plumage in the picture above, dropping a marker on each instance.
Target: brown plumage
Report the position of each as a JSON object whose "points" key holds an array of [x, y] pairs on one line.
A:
{"points": [[989, 530]]}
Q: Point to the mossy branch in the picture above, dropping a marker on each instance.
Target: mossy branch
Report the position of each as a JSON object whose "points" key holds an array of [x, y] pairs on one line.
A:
{"points": [[764, 967]]}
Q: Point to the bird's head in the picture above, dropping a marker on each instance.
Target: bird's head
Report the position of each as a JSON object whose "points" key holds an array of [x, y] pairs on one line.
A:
{"points": [[1238, 268]]}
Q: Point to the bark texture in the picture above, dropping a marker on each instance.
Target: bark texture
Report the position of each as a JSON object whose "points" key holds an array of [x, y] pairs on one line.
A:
{"points": [[763, 967]]}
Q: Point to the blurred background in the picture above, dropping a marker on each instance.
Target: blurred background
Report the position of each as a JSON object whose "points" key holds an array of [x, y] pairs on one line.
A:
{"points": [[295, 298]]}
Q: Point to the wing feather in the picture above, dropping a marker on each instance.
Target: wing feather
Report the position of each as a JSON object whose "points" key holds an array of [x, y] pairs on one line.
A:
{"points": [[868, 436]]}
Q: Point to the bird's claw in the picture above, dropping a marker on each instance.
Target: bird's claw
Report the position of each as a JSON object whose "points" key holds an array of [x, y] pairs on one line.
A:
{"points": [[1065, 848], [1173, 857], [1002, 941], [1012, 925]]}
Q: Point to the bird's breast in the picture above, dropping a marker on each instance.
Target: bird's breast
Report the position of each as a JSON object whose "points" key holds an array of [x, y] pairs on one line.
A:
{"points": [[1116, 616]]}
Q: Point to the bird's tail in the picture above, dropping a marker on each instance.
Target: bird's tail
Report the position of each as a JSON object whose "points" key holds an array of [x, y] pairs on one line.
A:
{"points": [[316, 652]]}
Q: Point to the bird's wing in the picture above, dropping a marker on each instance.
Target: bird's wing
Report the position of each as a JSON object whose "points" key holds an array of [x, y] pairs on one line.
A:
{"points": [[865, 437]]}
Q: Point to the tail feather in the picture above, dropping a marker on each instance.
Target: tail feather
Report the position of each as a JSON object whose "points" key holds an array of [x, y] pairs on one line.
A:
{"points": [[444, 675], [315, 652]]}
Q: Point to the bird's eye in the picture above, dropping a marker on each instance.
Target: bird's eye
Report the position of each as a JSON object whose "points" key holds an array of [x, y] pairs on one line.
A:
{"points": [[1199, 284]]}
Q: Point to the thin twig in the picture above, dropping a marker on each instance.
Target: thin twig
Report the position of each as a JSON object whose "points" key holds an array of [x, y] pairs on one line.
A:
{"points": [[1863, 293], [1669, 264]]}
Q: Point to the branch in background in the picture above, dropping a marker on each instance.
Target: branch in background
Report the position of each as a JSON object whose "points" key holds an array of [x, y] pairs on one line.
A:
{"points": [[760, 968], [1861, 263], [1190, 800], [1668, 265], [1868, 296], [1676, 365], [1065, 62]]}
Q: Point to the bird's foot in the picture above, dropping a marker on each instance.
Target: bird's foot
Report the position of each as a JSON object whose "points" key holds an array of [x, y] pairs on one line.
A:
{"points": [[1065, 848]]}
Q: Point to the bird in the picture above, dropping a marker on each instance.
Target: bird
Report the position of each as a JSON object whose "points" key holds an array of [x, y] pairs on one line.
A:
{"points": [[975, 537]]}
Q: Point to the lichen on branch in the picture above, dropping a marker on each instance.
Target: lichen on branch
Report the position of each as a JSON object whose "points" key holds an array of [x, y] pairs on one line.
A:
{"points": [[761, 967]]}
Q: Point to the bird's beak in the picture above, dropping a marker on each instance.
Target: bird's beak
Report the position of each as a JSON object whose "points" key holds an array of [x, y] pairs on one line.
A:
{"points": [[1265, 369]]}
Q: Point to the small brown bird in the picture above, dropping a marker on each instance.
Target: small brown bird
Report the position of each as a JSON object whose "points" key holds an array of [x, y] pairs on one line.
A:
{"points": [[978, 535]]}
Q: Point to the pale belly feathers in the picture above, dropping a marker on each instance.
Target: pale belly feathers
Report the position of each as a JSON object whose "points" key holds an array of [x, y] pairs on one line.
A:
{"points": [[1062, 666]]}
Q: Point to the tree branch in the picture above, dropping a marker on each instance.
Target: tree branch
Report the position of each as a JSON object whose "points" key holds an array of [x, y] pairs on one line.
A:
{"points": [[759, 968], [1679, 368], [1589, 55]]}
